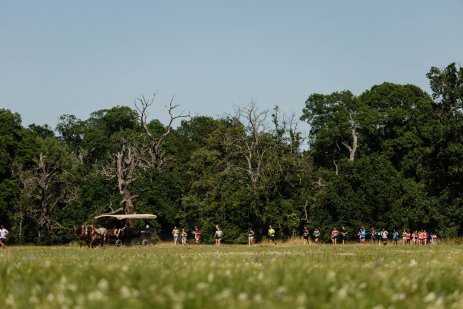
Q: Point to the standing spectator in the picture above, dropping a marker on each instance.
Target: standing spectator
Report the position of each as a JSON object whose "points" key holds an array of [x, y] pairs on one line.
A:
{"points": [[395, 237], [334, 236], [197, 233], [344, 235], [425, 237], [218, 236], [409, 235], [3, 233], [384, 236], [271, 234], [305, 234], [251, 235], [175, 235], [316, 234], [184, 237]]}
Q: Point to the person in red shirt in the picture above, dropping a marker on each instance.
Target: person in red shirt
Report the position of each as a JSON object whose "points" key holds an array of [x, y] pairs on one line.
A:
{"points": [[197, 233], [334, 236]]}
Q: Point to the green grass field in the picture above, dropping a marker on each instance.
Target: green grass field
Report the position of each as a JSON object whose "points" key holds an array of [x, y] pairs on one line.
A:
{"points": [[282, 276]]}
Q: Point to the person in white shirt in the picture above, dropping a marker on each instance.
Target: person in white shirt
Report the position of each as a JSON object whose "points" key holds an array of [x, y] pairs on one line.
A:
{"points": [[175, 233], [184, 236], [218, 236], [3, 234], [384, 236]]}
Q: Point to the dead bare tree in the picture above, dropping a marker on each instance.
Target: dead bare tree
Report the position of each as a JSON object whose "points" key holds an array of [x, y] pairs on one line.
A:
{"points": [[249, 145], [43, 189], [286, 130], [352, 147], [305, 218], [123, 167], [155, 148], [136, 156]]}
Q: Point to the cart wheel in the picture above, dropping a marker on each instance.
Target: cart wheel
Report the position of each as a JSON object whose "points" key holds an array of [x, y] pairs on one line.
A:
{"points": [[145, 242], [118, 243]]}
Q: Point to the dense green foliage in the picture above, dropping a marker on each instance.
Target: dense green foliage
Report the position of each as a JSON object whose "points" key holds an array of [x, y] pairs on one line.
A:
{"points": [[390, 157], [294, 276]]}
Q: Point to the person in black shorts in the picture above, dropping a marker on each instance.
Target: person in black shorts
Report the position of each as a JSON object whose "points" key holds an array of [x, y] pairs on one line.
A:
{"points": [[316, 234], [344, 235], [251, 235], [271, 234], [218, 236], [305, 234], [373, 235]]}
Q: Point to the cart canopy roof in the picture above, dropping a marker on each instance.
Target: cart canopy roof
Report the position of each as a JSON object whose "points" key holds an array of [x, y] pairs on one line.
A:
{"points": [[131, 216]]}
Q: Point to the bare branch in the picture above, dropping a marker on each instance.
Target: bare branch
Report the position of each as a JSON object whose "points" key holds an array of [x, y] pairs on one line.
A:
{"points": [[155, 144]]}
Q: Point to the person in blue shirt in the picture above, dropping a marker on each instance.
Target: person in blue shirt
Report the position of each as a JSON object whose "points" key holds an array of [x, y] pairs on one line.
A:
{"points": [[362, 235], [395, 237]]}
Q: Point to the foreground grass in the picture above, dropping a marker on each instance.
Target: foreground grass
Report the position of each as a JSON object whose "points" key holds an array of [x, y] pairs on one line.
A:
{"points": [[283, 276]]}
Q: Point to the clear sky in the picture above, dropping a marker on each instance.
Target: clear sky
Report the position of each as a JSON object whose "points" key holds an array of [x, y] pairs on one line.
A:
{"points": [[77, 57]]}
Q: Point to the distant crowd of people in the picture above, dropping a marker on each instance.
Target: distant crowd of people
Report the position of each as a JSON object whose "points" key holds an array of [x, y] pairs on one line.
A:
{"points": [[416, 237], [375, 236]]}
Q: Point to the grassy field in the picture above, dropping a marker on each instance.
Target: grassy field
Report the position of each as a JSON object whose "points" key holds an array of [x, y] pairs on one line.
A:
{"points": [[282, 276]]}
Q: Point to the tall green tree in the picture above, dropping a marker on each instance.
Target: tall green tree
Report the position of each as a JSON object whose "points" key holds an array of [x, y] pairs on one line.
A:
{"points": [[442, 168]]}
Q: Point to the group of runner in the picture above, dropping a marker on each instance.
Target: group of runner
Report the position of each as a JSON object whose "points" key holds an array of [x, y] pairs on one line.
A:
{"points": [[218, 235], [183, 234], [382, 236], [418, 237], [375, 235], [341, 236]]}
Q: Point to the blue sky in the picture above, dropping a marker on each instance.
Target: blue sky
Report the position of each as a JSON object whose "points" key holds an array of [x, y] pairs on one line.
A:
{"points": [[77, 57]]}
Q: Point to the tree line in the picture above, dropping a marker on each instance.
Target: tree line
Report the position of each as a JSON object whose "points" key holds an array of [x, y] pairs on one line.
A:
{"points": [[390, 157]]}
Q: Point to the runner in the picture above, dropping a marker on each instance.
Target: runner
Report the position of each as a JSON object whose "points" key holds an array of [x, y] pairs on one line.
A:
{"points": [[218, 236], [404, 237], [420, 238], [175, 235], [3, 233], [271, 234], [305, 234], [378, 236], [334, 236], [395, 237], [251, 235], [373, 235], [434, 238], [184, 237], [409, 235], [362, 235], [384, 236], [197, 234], [344, 235], [316, 234]]}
